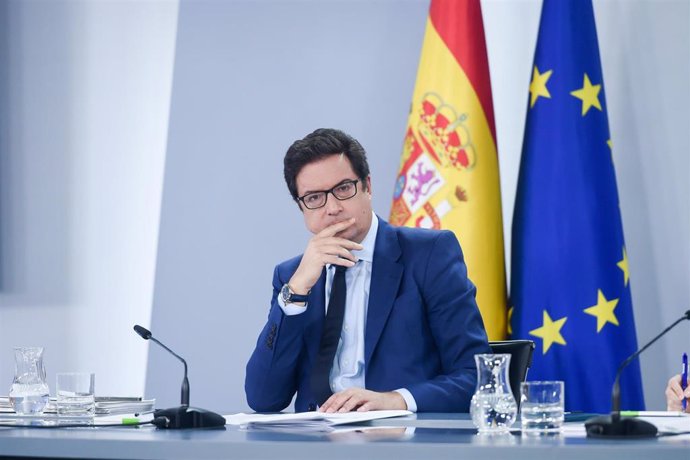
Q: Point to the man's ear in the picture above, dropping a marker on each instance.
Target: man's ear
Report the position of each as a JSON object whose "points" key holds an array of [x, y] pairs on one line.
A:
{"points": [[367, 183]]}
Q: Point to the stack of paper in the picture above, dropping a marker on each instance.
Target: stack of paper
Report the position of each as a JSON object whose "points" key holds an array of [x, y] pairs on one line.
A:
{"points": [[105, 405], [307, 421], [5, 405], [115, 406], [112, 405]]}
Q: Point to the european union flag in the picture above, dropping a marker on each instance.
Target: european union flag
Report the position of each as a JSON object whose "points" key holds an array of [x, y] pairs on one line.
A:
{"points": [[570, 287]]}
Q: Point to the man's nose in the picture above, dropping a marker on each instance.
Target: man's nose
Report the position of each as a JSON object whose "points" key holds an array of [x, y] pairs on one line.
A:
{"points": [[333, 205]]}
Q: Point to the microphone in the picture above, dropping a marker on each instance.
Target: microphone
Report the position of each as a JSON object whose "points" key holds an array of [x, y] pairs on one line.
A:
{"points": [[613, 426], [146, 335], [182, 416]]}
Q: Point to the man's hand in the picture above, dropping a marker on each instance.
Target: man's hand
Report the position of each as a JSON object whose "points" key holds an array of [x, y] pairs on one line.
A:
{"points": [[674, 395], [363, 400], [323, 248]]}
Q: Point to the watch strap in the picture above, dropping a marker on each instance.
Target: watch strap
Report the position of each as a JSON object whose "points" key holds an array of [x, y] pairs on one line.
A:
{"points": [[292, 297]]}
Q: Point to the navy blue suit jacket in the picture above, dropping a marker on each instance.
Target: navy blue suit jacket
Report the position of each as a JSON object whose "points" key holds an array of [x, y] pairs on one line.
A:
{"points": [[423, 328]]}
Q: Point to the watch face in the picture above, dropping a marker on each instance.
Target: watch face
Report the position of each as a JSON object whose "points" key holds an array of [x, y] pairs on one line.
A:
{"points": [[285, 293]]}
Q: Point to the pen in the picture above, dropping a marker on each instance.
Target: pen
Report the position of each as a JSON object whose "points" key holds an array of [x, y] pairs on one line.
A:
{"points": [[684, 380]]}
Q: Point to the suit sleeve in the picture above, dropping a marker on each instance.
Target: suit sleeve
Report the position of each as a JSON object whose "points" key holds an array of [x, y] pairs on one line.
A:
{"points": [[457, 329], [273, 368]]}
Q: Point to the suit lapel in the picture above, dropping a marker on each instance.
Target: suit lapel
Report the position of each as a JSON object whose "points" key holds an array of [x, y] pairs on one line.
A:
{"points": [[385, 280]]}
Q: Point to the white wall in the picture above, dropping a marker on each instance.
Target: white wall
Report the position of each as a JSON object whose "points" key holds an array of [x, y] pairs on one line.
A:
{"points": [[87, 90], [85, 93]]}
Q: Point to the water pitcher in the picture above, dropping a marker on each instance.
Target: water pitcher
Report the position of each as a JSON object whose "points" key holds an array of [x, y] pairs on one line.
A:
{"points": [[493, 407], [29, 390]]}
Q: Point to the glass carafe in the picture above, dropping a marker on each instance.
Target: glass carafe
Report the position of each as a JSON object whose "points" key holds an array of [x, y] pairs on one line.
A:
{"points": [[29, 390], [493, 407]]}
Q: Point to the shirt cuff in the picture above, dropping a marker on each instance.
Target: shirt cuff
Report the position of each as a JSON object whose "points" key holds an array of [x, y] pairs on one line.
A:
{"points": [[409, 399], [291, 309]]}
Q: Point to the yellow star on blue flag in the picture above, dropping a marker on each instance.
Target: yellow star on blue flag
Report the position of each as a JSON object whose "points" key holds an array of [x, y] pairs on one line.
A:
{"points": [[550, 332], [588, 94], [603, 311]]}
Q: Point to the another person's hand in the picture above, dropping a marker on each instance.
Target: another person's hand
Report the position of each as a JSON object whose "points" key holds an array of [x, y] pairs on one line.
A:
{"points": [[323, 248], [674, 395], [363, 400]]}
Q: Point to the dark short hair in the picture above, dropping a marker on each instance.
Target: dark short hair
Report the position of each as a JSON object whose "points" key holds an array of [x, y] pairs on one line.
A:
{"points": [[318, 145]]}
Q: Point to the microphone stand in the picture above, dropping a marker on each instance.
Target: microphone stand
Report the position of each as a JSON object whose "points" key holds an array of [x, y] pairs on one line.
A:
{"points": [[183, 416], [615, 426], [184, 397]]}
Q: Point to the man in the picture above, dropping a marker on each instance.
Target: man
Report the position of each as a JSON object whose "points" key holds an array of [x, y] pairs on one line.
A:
{"points": [[370, 316]]}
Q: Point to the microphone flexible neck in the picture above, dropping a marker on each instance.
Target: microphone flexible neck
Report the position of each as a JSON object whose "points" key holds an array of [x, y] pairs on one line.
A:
{"points": [[174, 354], [184, 398], [616, 391]]}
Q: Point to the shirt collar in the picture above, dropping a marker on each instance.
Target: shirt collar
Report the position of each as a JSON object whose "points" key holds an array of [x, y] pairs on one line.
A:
{"points": [[367, 253]]}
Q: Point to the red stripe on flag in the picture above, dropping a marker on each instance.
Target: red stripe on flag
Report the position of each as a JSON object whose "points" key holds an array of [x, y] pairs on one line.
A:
{"points": [[459, 24]]}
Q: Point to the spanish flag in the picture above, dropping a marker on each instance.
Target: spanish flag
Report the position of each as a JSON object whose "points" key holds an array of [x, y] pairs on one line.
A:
{"points": [[448, 176]]}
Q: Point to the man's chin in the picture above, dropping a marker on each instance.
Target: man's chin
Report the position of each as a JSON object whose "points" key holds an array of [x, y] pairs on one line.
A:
{"points": [[346, 234], [351, 235]]}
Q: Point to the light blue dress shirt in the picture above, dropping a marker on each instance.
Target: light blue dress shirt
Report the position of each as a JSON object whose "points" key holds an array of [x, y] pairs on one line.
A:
{"points": [[348, 365]]}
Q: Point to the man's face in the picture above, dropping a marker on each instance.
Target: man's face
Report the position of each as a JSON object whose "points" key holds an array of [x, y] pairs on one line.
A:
{"points": [[324, 175]]}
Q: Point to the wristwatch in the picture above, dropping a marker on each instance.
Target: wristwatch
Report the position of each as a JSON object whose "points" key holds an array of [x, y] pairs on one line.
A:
{"points": [[290, 297]]}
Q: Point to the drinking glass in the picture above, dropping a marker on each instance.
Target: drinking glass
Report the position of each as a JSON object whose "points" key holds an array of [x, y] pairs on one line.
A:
{"points": [[541, 407], [75, 393]]}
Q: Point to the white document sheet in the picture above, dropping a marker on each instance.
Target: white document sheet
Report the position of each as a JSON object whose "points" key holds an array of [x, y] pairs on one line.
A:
{"points": [[671, 425], [308, 421]]}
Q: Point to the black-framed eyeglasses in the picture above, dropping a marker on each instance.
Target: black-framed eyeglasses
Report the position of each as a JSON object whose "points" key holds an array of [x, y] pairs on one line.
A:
{"points": [[343, 191]]}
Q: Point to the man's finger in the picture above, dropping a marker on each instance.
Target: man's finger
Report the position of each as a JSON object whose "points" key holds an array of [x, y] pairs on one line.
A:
{"points": [[335, 228], [347, 244], [324, 407], [339, 251], [334, 260], [338, 242], [354, 401], [672, 396], [333, 401], [677, 391], [367, 406], [674, 386], [337, 404]]}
